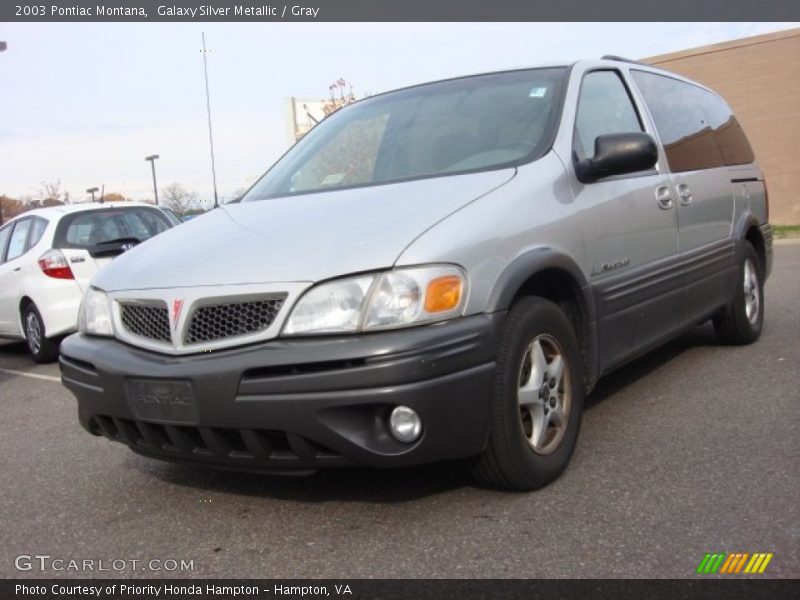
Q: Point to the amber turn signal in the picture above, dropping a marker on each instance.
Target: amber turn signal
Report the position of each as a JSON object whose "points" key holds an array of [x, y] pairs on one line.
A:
{"points": [[443, 293]]}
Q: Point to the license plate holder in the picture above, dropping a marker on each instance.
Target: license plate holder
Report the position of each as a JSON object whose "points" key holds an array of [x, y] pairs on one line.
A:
{"points": [[162, 400]]}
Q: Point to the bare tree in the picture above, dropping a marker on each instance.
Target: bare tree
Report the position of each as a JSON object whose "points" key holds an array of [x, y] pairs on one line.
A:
{"points": [[51, 194], [177, 198]]}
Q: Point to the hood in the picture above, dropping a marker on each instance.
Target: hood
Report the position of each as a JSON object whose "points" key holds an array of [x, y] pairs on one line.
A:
{"points": [[308, 237]]}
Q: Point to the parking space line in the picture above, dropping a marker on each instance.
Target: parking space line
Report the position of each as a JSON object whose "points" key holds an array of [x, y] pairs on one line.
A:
{"points": [[31, 375]]}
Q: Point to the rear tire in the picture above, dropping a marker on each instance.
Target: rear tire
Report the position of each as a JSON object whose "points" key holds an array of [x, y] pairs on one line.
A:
{"points": [[742, 321], [42, 349], [538, 399]]}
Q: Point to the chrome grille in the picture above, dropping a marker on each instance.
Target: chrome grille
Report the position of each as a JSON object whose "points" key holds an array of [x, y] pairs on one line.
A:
{"points": [[229, 319], [146, 320]]}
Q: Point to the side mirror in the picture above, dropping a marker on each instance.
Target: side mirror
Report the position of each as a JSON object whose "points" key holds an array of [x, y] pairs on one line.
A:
{"points": [[617, 154]]}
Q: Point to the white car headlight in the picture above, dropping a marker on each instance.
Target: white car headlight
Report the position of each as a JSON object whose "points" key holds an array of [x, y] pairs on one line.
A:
{"points": [[398, 298], [94, 317]]}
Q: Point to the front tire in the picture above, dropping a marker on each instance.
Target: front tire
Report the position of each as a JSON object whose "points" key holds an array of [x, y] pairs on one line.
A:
{"points": [[742, 321], [538, 399], [42, 349]]}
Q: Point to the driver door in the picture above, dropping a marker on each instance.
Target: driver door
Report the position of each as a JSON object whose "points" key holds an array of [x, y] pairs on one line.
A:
{"points": [[629, 225]]}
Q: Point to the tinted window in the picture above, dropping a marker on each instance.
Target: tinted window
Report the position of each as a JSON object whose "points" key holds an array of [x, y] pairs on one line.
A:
{"points": [[728, 134], [604, 107], [456, 126], [696, 127], [87, 229], [5, 233], [16, 246], [37, 230]]}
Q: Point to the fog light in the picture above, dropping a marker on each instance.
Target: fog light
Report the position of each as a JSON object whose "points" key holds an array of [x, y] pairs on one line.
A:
{"points": [[405, 424]]}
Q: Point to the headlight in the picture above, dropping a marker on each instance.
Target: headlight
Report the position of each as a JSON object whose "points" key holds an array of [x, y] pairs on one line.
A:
{"points": [[381, 301], [94, 317]]}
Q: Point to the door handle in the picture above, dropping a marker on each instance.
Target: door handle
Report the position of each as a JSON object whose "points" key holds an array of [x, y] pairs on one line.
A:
{"points": [[685, 194], [17, 269], [664, 197]]}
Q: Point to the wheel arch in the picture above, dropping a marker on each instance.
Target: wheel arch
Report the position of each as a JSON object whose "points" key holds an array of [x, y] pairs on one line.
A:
{"points": [[555, 276], [24, 302], [748, 229]]}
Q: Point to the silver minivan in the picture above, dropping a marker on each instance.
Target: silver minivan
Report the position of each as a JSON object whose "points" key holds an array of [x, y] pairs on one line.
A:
{"points": [[439, 272]]}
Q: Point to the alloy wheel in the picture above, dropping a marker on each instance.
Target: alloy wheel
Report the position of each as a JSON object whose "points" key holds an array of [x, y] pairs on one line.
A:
{"points": [[544, 394], [752, 295], [33, 331]]}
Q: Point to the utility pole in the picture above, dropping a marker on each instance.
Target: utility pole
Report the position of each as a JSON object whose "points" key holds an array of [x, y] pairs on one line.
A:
{"points": [[152, 158], [208, 110]]}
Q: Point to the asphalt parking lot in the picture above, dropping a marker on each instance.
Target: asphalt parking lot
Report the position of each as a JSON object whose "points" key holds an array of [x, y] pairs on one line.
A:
{"points": [[692, 449]]}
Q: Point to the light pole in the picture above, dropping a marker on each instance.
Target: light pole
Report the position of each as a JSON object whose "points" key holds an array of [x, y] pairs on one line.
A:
{"points": [[208, 110], [152, 158], [91, 191]]}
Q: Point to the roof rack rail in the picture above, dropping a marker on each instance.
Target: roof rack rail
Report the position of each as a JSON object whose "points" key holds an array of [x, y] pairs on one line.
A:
{"points": [[621, 59]]}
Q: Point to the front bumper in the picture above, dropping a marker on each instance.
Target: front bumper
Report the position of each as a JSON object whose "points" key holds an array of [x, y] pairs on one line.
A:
{"points": [[300, 404]]}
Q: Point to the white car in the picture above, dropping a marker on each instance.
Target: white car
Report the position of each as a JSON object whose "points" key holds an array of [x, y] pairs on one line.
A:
{"points": [[48, 256]]}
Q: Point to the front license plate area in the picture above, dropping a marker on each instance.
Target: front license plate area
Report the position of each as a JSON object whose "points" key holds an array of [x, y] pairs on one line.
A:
{"points": [[162, 400]]}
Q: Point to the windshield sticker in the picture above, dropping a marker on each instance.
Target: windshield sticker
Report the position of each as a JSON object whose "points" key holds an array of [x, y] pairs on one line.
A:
{"points": [[332, 179], [538, 92]]}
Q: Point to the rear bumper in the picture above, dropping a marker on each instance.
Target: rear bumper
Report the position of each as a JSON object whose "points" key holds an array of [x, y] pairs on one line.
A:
{"points": [[302, 403]]}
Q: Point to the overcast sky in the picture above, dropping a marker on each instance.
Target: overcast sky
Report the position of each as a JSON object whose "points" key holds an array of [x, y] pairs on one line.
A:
{"points": [[85, 103]]}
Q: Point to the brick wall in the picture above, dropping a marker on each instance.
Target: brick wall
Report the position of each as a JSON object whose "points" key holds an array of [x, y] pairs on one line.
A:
{"points": [[760, 78]]}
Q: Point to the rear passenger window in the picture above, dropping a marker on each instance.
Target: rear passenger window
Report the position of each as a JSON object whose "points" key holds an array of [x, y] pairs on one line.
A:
{"points": [[16, 247], [604, 107], [696, 127]]}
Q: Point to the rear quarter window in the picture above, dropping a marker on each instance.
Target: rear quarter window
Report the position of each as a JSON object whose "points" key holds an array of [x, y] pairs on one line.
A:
{"points": [[729, 135], [37, 231]]}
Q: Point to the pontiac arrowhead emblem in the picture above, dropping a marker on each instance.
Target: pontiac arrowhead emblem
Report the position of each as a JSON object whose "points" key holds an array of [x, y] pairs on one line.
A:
{"points": [[177, 307]]}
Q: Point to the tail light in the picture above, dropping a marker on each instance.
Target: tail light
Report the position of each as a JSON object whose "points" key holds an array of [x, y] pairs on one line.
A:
{"points": [[54, 264]]}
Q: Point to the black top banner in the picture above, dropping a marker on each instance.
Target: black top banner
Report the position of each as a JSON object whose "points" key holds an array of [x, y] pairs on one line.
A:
{"points": [[401, 10]]}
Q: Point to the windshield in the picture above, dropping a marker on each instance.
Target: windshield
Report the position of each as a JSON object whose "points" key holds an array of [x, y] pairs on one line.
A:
{"points": [[455, 126]]}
